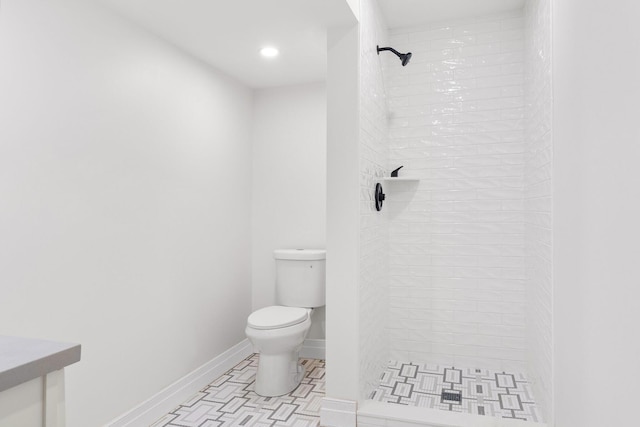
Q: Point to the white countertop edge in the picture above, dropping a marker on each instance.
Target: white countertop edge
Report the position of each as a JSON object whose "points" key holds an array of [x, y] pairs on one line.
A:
{"points": [[24, 359]]}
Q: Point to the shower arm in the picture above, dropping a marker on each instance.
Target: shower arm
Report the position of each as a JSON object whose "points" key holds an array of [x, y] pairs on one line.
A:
{"points": [[380, 49]]}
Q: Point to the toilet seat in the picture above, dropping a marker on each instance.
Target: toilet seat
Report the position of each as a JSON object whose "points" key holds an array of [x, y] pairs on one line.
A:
{"points": [[277, 316]]}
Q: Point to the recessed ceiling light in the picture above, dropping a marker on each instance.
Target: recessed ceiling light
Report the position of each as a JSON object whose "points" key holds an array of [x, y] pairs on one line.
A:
{"points": [[269, 52]]}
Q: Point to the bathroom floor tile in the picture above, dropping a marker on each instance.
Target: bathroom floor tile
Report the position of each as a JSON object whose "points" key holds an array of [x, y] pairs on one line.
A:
{"points": [[476, 391], [230, 401]]}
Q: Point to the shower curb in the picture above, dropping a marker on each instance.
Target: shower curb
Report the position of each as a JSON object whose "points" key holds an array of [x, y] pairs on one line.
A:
{"points": [[379, 414]]}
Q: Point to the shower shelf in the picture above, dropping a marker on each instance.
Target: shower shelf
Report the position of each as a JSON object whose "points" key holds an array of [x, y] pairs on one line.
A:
{"points": [[399, 179]]}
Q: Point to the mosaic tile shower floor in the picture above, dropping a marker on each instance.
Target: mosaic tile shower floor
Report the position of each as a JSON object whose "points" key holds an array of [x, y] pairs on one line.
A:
{"points": [[475, 391], [230, 401]]}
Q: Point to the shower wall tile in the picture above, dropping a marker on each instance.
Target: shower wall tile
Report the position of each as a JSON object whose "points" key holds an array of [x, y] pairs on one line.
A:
{"points": [[537, 201], [373, 287], [456, 238]]}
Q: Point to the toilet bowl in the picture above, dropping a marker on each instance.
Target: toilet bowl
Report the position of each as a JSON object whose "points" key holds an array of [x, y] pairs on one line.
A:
{"points": [[277, 334]]}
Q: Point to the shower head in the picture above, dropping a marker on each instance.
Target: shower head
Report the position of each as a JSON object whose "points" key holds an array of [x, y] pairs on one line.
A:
{"points": [[404, 57]]}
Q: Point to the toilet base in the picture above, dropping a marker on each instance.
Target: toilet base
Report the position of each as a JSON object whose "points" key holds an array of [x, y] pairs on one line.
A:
{"points": [[279, 371], [278, 374]]}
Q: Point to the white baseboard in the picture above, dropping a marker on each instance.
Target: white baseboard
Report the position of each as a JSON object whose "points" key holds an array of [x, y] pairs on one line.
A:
{"points": [[313, 349], [164, 401], [338, 413]]}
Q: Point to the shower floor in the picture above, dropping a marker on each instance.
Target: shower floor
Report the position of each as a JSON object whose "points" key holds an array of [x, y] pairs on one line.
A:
{"points": [[474, 391]]}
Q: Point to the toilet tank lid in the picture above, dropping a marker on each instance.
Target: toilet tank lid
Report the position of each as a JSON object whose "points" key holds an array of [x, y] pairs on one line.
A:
{"points": [[300, 254]]}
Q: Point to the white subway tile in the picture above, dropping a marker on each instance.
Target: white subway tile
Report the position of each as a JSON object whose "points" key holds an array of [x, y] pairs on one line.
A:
{"points": [[458, 253], [513, 319], [477, 317], [455, 283], [478, 340], [456, 327], [431, 315], [502, 330]]}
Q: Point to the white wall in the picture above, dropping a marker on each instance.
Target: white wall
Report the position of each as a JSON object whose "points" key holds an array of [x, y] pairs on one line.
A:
{"points": [[125, 187], [343, 214], [289, 149], [456, 238], [596, 210], [355, 7], [538, 206], [374, 152]]}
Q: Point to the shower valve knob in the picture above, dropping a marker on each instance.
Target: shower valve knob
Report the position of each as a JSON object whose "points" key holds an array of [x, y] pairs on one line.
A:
{"points": [[379, 196]]}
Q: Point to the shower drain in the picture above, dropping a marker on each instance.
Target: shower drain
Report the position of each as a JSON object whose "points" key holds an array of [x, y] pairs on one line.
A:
{"points": [[451, 396]]}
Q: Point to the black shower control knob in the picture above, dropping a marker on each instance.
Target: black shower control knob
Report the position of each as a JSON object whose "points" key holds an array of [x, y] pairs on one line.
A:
{"points": [[378, 196]]}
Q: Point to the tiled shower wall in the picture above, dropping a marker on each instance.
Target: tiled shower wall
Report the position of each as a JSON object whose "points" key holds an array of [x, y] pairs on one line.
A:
{"points": [[456, 237], [538, 206], [373, 287]]}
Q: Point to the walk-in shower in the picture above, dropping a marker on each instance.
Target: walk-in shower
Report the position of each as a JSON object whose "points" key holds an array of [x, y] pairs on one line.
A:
{"points": [[461, 253]]}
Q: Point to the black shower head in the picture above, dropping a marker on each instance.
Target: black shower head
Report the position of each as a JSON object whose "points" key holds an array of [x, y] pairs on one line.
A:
{"points": [[404, 57]]}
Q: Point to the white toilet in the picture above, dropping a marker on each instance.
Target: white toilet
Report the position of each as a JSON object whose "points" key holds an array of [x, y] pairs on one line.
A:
{"points": [[278, 332]]}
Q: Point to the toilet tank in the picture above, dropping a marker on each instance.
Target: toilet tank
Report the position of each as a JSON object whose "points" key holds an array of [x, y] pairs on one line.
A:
{"points": [[300, 277]]}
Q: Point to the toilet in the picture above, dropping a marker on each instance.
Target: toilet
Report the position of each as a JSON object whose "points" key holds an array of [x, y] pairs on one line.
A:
{"points": [[278, 332]]}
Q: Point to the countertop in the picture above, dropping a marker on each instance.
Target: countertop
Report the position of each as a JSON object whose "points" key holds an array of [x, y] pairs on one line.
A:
{"points": [[23, 359]]}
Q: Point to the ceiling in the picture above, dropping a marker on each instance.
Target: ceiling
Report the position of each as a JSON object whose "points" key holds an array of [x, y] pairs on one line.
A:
{"points": [[229, 34], [409, 13]]}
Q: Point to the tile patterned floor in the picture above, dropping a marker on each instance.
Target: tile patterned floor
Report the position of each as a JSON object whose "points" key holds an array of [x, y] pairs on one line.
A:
{"points": [[230, 401], [475, 391]]}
